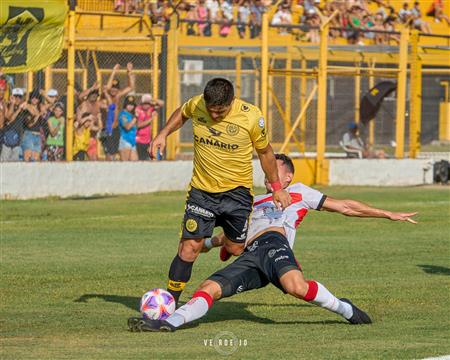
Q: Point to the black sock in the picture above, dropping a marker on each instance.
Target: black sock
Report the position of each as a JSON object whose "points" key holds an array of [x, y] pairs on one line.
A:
{"points": [[179, 274]]}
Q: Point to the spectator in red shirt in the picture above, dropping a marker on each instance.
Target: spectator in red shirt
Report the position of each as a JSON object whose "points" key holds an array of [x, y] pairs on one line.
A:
{"points": [[146, 112]]}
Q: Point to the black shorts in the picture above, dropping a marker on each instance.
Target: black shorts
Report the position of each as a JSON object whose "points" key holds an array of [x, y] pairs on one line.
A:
{"points": [[111, 142], [204, 211], [264, 261], [142, 151]]}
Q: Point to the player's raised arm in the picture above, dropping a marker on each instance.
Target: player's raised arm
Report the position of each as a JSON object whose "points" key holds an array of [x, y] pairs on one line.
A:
{"points": [[359, 209], [268, 162]]}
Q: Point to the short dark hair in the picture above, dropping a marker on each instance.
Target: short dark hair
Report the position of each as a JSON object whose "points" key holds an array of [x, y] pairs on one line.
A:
{"points": [[286, 161], [218, 91]]}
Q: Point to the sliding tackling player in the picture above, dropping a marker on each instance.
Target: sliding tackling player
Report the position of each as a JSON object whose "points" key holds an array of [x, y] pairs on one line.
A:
{"points": [[268, 256]]}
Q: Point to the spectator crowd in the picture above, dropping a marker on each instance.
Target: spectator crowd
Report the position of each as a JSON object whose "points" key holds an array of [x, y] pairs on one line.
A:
{"points": [[354, 21], [109, 122]]}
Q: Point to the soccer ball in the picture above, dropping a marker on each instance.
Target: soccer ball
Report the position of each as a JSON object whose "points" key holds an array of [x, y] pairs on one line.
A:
{"points": [[157, 304]]}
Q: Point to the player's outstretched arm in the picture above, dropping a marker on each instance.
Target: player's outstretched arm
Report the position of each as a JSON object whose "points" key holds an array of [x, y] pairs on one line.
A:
{"points": [[359, 209]]}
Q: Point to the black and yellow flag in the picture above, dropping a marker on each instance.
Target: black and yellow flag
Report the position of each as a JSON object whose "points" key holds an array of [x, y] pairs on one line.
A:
{"points": [[31, 33]]}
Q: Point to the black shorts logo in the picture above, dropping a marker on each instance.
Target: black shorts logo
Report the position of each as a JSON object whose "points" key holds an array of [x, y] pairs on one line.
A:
{"points": [[191, 225], [194, 209]]}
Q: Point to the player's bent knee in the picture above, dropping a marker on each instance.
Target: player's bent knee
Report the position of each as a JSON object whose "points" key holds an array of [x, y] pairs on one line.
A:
{"points": [[212, 288], [294, 284]]}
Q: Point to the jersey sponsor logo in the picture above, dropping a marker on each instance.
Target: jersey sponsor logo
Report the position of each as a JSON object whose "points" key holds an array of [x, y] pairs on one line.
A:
{"points": [[191, 225], [214, 132], [272, 212], [272, 252], [245, 108], [261, 122], [282, 257], [253, 246], [244, 233], [232, 129], [216, 143], [194, 209]]}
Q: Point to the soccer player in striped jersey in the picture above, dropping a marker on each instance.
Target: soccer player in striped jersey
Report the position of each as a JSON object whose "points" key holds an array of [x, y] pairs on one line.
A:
{"points": [[268, 256]]}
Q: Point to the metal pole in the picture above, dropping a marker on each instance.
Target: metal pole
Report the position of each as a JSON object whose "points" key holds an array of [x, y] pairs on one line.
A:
{"points": [[155, 82], [303, 89], [264, 62], [357, 91], [415, 104], [70, 82], [29, 81], [322, 105], [372, 122], [238, 75], [287, 93], [270, 109], [401, 94], [172, 83], [48, 78]]}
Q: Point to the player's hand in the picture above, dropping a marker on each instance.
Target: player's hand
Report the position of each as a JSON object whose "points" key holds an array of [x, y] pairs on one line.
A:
{"points": [[402, 217], [281, 199], [158, 144]]}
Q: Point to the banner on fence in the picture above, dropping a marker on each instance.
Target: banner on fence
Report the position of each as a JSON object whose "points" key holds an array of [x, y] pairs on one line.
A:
{"points": [[31, 33]]}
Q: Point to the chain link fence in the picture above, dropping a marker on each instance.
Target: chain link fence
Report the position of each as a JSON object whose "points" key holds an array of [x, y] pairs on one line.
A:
{"points": [[290, 83]]}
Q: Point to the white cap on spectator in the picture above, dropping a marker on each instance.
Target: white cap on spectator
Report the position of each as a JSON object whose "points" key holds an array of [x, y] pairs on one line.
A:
{"points": [[18, 92], [146, 99], [52, 92]]}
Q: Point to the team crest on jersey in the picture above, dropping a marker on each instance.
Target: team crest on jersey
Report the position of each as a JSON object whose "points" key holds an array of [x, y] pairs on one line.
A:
{"points": [[214, 132], [232, 129], [261, 122], [245, 108], [191, 225]]}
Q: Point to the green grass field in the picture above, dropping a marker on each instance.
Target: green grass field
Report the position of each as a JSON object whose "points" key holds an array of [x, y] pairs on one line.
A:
{"points": [[73, 271]]}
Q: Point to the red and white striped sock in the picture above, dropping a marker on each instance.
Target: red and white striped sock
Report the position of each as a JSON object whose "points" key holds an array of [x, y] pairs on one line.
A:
{"points": [[319, 295], [194, 309]]}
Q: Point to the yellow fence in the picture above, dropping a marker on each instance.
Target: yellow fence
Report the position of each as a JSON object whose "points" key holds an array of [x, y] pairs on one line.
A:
{"points": [[308, 93]]}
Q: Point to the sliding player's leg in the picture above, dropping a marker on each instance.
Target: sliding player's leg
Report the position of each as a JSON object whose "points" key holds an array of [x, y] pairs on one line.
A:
{"points": [[314, 292], [278, 263], [239, 276]]}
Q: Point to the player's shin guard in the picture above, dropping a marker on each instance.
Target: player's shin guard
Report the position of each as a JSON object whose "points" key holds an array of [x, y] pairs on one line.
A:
{"points": [[179, 274], [320, 296], [194, 309]]}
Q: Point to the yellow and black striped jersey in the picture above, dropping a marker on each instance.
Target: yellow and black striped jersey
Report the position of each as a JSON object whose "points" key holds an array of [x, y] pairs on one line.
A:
{"points": [[223, 150]]}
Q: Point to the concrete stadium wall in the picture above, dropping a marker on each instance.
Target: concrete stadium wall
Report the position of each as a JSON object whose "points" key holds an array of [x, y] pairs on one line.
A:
{"points": [[384, 172], [38, 180]]}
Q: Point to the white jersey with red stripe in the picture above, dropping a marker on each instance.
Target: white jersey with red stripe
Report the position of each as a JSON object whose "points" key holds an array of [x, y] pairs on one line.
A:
{"points": [[265, 213]]}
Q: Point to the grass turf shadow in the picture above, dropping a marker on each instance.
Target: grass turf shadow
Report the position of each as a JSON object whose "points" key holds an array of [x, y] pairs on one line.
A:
{"points": [[435, 270], [221, 311]]}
